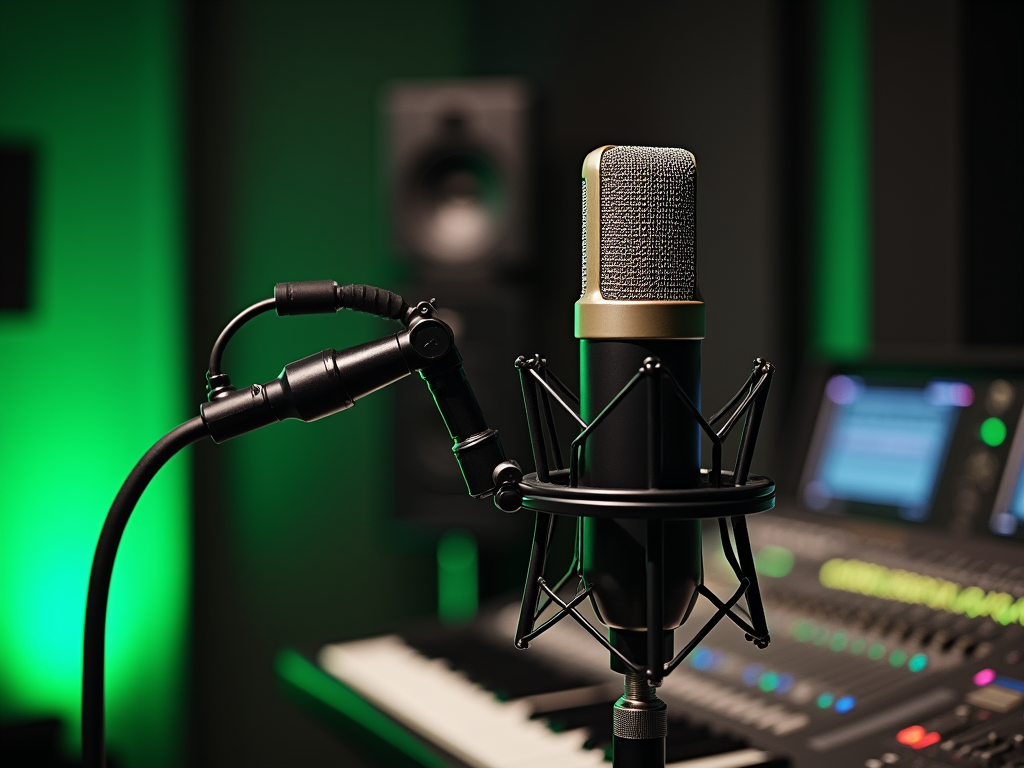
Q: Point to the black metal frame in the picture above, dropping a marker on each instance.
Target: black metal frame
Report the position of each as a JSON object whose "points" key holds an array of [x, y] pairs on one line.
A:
{"points": [[725, 495]]}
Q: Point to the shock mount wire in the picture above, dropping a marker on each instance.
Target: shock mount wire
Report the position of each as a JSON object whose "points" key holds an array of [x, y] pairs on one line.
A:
{"points": [[728, 496]]}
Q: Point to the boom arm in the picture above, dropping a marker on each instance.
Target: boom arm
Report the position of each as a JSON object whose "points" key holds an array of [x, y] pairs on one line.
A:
{"points": [[332, 380]]}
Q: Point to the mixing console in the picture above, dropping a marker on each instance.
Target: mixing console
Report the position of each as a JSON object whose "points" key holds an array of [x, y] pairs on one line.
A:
{"points": [[893, 582]]}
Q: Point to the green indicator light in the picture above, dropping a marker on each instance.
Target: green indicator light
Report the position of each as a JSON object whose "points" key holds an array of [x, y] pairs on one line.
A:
{"points": [[822, 636], [773, 561], [769, 682], [838, 641], [897, 657], [918, 589], [876, 651], [825, 700], [803, 631], [857, 646], [917, 662], [992, 432]]}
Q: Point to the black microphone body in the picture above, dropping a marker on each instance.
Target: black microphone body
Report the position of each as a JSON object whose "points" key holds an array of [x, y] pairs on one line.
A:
{"points": [[616, 457], [639, 304]]}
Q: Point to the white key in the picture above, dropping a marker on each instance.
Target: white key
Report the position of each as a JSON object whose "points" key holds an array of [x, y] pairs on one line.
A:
{"points": [[447, 709], [776, 713], [790, 724], [739, 759]]}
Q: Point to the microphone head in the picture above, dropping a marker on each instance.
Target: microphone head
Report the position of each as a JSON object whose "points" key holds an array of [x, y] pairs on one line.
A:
{"points": [[639, 245]]}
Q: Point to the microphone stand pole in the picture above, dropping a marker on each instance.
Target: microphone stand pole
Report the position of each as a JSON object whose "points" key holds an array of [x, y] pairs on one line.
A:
{"points": [[639, 725]]}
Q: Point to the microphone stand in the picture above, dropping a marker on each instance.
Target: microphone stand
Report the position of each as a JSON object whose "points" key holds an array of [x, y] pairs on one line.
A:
{"points": [[639, 717], [332, 381], [308, 389]]}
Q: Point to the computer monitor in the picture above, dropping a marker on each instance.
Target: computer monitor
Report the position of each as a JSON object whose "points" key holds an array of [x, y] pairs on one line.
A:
{"points": [[879, 448]]}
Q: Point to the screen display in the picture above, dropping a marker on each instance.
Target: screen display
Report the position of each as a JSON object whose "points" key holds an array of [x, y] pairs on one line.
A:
{"points": [[879, 449], [1008, 515], [1017, 500]]}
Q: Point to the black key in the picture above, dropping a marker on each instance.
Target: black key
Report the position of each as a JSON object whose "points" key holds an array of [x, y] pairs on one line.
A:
{"points": [[509, 673], [681, 730], [596, 718], [712, 745]]}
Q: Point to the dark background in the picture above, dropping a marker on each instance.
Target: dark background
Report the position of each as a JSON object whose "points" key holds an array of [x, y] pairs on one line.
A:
{"points": [[288, 148], [296, 539], [284, 107]]}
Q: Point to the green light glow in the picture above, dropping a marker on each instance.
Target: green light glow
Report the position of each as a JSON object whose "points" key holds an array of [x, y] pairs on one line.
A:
{"points": [[825, 700], [769, 682], [897, 657], [323, 690], [992, 432], [876, 651], [839, 640], [843, 238], [93, 88], [917, 662], [774, 562], [456, 577], [917, 589], [803, 631], [858, 645]]}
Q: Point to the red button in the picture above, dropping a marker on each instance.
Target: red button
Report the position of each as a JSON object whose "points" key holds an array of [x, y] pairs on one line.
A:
{"points": [[928, 740], [910, 736]]}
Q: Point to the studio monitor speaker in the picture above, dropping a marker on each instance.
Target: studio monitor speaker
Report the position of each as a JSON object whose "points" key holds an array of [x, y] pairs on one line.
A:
{"points": [[459, 176]]}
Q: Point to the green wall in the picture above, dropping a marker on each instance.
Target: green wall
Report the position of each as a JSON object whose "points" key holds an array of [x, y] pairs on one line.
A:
{"points": [[296, 537], [842, 244], [92, 373]]}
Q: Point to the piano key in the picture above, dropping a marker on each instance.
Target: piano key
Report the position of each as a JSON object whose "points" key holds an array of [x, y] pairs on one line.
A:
{"points": [[506, 671], [441, 699], [743, 758], [541, 703], [594, 719], [790, 724], [591, 716], [449, 709], [689, 749]]}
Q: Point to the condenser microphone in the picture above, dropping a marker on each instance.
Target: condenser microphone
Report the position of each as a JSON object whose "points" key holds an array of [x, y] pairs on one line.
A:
{"points": [[634, 480], [640, 301]]}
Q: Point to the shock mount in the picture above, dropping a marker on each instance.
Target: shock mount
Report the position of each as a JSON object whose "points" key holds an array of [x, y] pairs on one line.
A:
{"points": [[639, 717]]}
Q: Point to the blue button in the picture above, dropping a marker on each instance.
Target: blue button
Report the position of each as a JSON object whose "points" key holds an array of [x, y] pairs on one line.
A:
{"points": [[844, 704]]}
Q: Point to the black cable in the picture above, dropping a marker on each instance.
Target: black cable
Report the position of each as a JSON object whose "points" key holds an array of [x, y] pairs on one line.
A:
{"points": [[312, 297], [93, 746], [232, 328]]}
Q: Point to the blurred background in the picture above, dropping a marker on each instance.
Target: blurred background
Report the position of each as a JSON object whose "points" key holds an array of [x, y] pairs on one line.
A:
{"points": [[166, 162]]}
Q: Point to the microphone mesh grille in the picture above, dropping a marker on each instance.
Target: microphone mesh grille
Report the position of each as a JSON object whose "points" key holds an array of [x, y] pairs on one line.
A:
{"points": [[584, 289], [648, 224]]}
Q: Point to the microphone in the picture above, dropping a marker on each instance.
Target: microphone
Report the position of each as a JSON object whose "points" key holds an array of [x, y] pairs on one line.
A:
{"points": [[639, 300], [634, 479]]}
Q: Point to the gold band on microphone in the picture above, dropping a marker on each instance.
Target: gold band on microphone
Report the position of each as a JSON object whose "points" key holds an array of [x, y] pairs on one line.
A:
{"points": [[602, 319], [597, 318]]}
